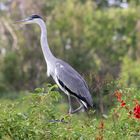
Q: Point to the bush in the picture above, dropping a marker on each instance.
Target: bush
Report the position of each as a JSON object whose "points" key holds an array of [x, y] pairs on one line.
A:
{"points": [[39, 116]]}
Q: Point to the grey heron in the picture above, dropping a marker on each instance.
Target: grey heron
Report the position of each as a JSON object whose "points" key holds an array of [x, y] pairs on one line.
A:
{"points": [[66, 77]]}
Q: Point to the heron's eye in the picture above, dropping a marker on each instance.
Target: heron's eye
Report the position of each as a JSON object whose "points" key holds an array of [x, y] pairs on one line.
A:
{"points": [[35, 16]]}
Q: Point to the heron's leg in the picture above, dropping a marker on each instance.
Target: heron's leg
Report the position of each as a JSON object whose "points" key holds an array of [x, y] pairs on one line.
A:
{"points": [[78, 109], [70, 107], [81, 104]]}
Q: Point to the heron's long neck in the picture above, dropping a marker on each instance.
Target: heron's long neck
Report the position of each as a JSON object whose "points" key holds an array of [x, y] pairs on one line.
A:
{"points": [[44, 42]]}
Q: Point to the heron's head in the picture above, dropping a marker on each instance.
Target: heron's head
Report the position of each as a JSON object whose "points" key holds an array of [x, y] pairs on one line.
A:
{"points": [[30, 20]]}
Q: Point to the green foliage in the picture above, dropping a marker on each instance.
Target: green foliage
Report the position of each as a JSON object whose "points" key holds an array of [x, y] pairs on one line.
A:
{"points": [[33, 121], [38, 116], [93, 40], [102, 38], [130, 72], [102, 43], [11, 70]]}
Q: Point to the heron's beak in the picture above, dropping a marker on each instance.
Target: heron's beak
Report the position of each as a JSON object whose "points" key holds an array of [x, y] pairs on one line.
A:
{"points": [[24, 21]]}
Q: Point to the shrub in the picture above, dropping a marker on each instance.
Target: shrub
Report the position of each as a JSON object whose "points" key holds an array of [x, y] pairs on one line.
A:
{"points": [[39, 116]]}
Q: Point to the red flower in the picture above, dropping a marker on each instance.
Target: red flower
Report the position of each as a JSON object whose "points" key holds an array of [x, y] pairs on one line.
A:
{"points": [[136, 111], [123, 103], [118, 94]]}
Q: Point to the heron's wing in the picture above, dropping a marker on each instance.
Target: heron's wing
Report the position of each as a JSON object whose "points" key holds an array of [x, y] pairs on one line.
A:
{"points": [[71, 80]]}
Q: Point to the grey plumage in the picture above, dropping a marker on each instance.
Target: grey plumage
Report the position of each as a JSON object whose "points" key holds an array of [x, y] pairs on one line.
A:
{"points": [[73, 82], [68, 79]]}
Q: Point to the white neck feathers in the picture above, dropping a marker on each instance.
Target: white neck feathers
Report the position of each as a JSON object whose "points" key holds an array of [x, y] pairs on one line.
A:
{"points": [[44, 42]]}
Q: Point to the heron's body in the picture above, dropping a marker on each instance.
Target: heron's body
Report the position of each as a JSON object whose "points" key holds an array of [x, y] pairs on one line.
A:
{"points": [[68, 79]]}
